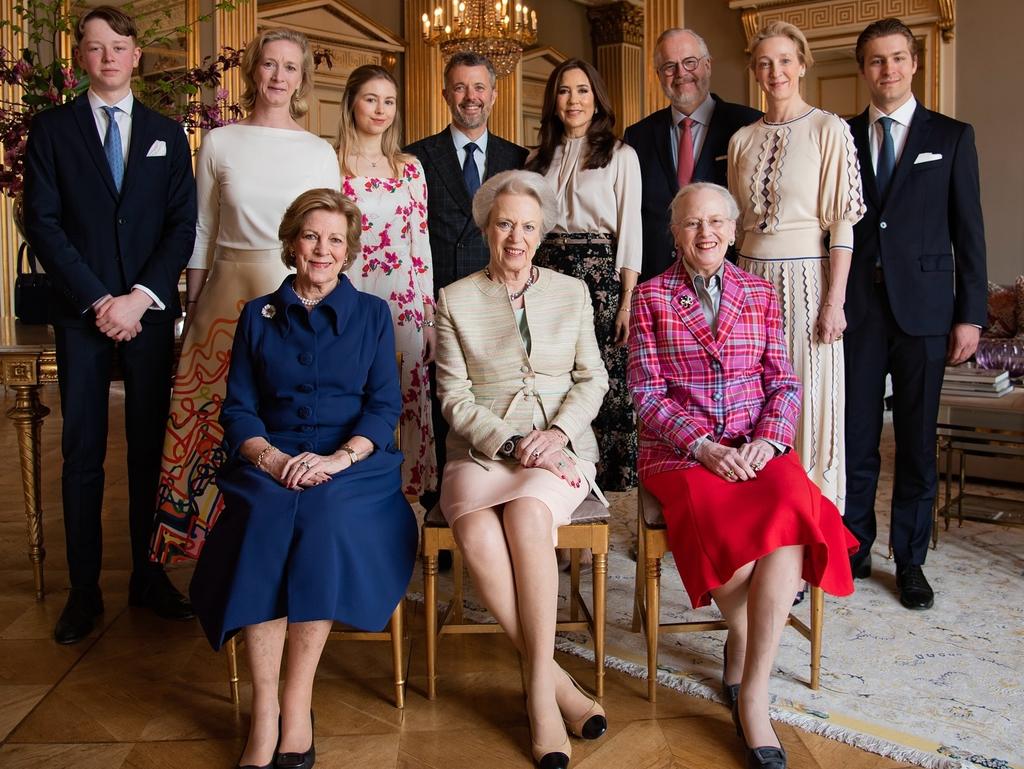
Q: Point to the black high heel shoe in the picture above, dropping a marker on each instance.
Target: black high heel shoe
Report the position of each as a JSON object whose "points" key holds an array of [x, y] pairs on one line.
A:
{"points": [[731, 692], [764, 757], [299, 760]]}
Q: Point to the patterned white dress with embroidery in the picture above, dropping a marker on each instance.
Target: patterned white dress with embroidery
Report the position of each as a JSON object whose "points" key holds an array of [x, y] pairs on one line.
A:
{"points": [[799, 190], [395, 265]]}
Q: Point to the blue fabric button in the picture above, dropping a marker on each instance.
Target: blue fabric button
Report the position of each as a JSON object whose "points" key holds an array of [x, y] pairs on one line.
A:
{"points": [[305, 412], [307, 428], [305, 446], [305, 388], [305, 358]]}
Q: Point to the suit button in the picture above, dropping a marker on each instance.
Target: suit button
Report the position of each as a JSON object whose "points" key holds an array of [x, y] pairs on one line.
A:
{"points": [[305, 358], [525, 369], [305, 412], [719, 428], [305, 446], [307, 428], [305, 388], [883, 225], [716, 396]]}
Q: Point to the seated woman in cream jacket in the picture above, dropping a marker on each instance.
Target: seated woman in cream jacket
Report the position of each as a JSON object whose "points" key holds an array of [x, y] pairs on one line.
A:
{"points": [[520, 378]]}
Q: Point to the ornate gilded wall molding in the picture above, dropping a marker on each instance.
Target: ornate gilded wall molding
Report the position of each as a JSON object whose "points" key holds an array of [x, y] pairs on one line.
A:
{"points": [[659, 15], [616, 23]]}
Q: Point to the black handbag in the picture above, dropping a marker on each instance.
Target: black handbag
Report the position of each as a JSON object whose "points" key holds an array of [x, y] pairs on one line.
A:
{"points": [[31, 290]]}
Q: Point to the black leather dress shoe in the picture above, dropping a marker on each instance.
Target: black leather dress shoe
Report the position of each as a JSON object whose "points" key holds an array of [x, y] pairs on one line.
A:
{"points": [[153, 590], [860, 566], [766, 758], [915, 592], [299, 760], [78, 618]]}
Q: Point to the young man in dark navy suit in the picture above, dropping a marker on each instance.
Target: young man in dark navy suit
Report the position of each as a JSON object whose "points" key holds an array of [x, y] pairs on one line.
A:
{"points": [[682, 64], [916, 296], [110, 210]]}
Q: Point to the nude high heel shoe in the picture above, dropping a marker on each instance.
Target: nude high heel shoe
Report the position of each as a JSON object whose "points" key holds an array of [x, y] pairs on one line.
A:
{"points": [[556, 757], [591, 724]]}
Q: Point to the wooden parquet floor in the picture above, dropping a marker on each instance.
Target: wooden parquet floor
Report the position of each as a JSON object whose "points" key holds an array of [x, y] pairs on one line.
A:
{"points": [[143, 693]]}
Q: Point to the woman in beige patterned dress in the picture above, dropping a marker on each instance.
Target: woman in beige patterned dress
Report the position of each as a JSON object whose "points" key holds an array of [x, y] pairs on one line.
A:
{"points": [[796, 178]]}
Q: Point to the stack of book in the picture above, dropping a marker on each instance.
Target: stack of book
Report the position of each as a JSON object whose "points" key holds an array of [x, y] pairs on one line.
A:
{"points": [[976, 382]]}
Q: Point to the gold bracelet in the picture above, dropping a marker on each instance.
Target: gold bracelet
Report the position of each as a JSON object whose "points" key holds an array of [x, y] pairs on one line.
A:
{"points": [[261, 455], [353, 456]]}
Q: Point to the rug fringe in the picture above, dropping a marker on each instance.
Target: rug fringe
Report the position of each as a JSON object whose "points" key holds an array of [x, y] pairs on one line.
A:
{"points": [[876, 745]]}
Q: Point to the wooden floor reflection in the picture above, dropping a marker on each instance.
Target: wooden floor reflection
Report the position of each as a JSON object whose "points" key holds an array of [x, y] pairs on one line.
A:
{"points": [[148, 694]]}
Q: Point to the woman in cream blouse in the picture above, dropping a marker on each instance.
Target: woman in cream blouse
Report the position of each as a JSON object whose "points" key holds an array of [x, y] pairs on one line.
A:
{"points": [[596, 237], [796, 178], [520, 379]]}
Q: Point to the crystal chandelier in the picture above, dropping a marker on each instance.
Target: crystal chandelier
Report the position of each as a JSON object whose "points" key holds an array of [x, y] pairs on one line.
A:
{"points": [[499, 31]]}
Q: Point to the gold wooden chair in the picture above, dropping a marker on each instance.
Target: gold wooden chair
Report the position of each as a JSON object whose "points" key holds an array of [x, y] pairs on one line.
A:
{"points": [[652, 544], [395, 631], [587, 529]]}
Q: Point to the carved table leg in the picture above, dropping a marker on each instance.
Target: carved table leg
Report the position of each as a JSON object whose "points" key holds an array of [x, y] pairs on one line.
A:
{"points": [[28, 414]]}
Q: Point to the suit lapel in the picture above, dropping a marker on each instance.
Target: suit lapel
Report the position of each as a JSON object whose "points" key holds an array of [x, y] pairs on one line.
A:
{"points": [[917, 138], [450, 169], [731, 304], [687, 306], [91, 138], [138, 146], [859, 127], [498, 159], [712, 139], [663, 144]]}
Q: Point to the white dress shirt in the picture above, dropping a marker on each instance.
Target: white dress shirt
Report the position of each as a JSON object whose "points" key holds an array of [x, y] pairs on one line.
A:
{"points": [[123, 117], [480, 156], [701, 118], [901, 117]]}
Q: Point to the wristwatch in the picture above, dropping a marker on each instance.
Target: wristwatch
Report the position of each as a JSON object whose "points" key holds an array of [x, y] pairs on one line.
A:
{"points": [[508, 448]]}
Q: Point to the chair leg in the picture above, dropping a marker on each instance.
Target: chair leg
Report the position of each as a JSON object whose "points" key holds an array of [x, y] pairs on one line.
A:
{"points": [[397, 639], [600, 576], [430, 620], [574, 584], [458, 572], [231, 651], [638, 582], [817, 621], [653, 583]]}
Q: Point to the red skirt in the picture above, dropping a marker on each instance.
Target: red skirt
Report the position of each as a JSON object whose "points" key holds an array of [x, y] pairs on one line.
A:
{"points": [[715, 527]]}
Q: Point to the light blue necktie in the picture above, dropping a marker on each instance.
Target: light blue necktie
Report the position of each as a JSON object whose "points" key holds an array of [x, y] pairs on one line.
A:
{"points": [[470, 173], [886, 157], [112, 147]]}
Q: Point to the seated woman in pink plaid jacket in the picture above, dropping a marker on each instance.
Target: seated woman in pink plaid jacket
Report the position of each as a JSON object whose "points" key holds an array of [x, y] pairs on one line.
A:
{"points": [[718, 404]]}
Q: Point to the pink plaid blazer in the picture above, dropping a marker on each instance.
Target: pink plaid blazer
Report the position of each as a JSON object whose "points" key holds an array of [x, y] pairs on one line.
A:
{"points": [[685, 383]]}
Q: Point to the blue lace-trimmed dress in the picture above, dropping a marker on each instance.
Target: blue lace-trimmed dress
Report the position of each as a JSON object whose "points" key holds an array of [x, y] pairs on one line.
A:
{"points": [[343, 550], [799, 190]]}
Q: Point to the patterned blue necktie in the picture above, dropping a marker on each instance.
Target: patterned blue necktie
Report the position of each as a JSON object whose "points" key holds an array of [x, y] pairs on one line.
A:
{"points": [[112, 147], [470, 173], [886, 156]]}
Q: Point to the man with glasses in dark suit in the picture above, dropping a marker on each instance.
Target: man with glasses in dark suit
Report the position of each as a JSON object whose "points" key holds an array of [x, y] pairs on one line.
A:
{"points": [[456, 162], [682, 143]]}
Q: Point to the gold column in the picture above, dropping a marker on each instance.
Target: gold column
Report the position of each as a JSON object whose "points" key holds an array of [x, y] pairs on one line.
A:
{"points": [[507, 116], [618, 34], [10, 238], [233, 27], [425, 110], [659, 15]]}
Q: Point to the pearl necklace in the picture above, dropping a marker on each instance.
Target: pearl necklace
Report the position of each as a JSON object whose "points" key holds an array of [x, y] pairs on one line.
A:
{"points": [[306, 302], [513, 295]]}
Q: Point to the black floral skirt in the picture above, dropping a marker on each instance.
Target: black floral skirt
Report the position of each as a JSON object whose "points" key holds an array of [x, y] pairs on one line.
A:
{"points": [[615, 426]]}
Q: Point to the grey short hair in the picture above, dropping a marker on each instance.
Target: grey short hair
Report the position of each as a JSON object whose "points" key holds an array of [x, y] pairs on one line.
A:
{"points": [[732, 209], [515, 183], [671, 31]]}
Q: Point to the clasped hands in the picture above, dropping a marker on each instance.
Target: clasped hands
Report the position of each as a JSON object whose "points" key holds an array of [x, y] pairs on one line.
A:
{"points": [[305, 470], [736, 464], [120, 317], [545, 449]]}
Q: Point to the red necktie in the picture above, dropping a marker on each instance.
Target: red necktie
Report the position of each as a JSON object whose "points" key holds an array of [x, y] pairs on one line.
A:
{"points": [[684, 169]]}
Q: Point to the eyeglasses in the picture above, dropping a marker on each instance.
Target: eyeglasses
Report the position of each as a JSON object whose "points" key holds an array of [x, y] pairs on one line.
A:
{"points": [[671, 68], [714, 222]]}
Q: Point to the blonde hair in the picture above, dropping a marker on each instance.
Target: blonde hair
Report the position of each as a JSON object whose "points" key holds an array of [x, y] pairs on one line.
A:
{"points": [[320, 199], [390, 142], [783, 29], [251, 60]]}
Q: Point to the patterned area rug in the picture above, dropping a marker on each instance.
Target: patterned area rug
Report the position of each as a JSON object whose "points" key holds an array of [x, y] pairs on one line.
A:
{"points": [[938, 688]]}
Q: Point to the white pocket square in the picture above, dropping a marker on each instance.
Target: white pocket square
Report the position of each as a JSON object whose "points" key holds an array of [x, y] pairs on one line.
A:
{"points": [[927, 157], [157, 150]]}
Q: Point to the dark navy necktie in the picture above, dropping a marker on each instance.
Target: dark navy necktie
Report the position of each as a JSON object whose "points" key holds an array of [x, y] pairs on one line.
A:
{"points": [[112, 146], [886, 156], [470, 174]]}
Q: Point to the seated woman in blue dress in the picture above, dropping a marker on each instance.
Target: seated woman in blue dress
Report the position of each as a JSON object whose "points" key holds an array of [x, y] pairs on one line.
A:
{"points": [[315, 527]]}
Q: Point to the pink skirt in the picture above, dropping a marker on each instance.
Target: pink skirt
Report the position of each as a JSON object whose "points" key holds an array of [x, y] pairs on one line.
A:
{"points": [[468, 486]]}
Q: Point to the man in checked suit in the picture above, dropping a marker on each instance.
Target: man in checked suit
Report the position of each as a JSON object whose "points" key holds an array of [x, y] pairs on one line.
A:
{"points": [[916, 296], [668, 160], [456, 162], [110, 210]]}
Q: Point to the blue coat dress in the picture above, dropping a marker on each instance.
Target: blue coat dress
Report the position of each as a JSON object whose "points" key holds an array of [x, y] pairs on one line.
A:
{"points": [[343, 550]]}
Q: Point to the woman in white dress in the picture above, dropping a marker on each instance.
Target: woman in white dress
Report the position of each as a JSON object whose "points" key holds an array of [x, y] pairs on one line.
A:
{"points": [[795, 176], [246, 176], [389, 187]]}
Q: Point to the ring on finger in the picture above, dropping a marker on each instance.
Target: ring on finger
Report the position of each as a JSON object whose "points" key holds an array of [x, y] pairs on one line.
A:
{"points": [[730, 474], [536, 452]]}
